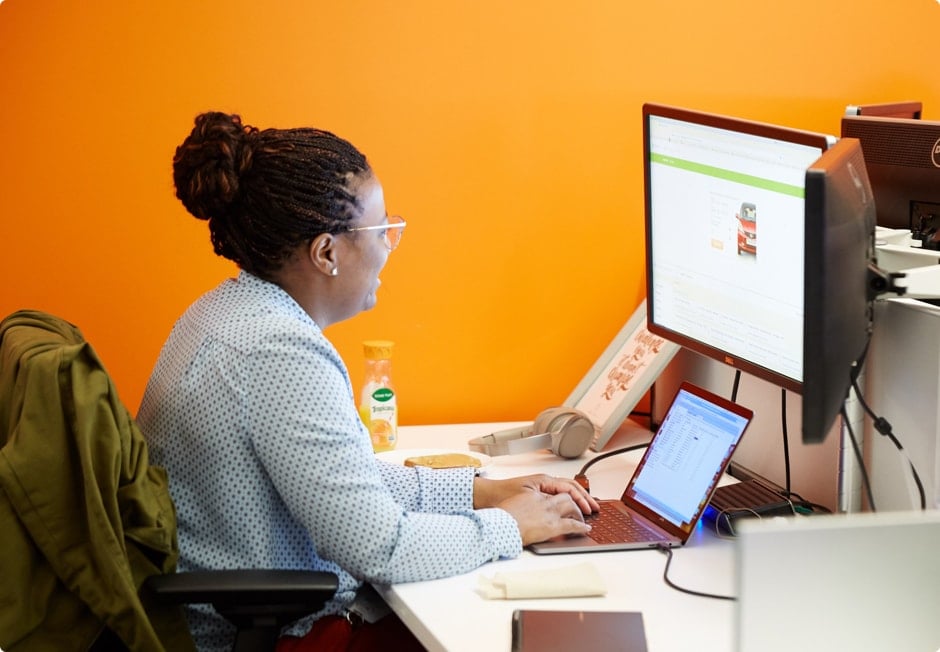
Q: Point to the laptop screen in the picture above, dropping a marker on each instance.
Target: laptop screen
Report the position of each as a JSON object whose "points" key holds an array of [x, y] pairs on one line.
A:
{"points": [[687, 456]]}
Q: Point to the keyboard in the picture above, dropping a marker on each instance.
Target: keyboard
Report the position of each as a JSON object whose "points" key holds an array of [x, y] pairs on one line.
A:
{"points": [[610, 525]]}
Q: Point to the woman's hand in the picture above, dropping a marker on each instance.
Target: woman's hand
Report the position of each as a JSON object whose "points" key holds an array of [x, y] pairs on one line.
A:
{"points": [[489, 493], [543, 506]]}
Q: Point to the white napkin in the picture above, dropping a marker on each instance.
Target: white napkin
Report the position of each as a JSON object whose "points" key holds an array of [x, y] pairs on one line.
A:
{"points": [[569, 582]]}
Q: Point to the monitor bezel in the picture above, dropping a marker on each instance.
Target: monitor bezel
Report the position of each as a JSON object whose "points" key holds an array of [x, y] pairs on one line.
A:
{"points": [[777, 132], [837, 303]]}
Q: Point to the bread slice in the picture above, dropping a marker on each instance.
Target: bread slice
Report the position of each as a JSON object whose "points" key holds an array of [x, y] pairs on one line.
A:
{"points": [[444, 461]]}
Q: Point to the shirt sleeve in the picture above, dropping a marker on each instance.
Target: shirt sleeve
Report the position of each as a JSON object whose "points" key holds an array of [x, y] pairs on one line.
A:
{"points": [[423, 489], [380, 524]]}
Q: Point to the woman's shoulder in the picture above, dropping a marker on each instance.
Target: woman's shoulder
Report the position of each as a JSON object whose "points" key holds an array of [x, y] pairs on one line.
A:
{"points": [[251, 311]]}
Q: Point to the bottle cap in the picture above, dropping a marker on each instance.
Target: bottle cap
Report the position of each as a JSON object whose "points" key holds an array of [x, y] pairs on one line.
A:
{"points": [[378, 349]]}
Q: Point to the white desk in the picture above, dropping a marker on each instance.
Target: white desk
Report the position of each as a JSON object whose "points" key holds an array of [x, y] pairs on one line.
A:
{"points": [[448, 614]]}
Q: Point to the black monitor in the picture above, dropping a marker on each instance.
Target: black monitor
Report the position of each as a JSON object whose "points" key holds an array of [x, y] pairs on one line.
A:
{"points": [[839, 254], [903, 161], [724, 238]]}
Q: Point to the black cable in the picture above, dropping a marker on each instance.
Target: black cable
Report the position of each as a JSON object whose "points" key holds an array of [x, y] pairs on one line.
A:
{"points": [[734, 385], [880, 423], [858, 457], [802, 502], [884, 427], [581, 476], [786, 443], [805, 507], [668, 552], [646, 415], [641, 413], [652, 392], [603, 456], [786, 439]]}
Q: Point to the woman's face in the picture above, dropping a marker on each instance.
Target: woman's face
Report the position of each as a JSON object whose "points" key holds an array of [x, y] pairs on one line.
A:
{"points": [[364, 252]]}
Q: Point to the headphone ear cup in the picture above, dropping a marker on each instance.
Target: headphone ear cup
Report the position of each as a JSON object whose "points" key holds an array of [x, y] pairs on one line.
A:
{"points": [[575, 434], [571, 430], [544, 421]]}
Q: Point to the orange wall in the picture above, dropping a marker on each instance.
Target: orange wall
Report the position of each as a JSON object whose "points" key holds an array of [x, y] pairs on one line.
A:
{"points": [[507, 133]]}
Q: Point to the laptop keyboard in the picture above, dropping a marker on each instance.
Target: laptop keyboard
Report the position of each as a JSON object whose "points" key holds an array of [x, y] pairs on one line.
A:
{"points": [[610, 525]]}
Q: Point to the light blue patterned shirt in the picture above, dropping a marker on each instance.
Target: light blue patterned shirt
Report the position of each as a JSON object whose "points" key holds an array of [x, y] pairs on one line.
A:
{"points": [[250, 409]]}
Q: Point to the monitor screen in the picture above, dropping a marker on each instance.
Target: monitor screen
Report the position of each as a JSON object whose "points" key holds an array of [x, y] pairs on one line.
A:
{"points": [[903, 161], [840, 238], [724, 237]]}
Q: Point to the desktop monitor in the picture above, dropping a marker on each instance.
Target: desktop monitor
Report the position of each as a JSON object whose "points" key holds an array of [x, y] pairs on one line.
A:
{"points": [[903, 161], [840, 238], [724, 238]]}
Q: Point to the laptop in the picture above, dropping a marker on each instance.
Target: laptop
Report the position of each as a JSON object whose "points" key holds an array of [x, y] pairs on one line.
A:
{"points": [[864, 581], [672, 484]]}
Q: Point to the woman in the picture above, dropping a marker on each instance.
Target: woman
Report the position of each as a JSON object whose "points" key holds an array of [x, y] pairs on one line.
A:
{"points": [[250, 407]]}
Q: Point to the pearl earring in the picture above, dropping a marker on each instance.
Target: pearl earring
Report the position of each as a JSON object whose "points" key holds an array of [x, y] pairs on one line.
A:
{"points": [[334, 272]]}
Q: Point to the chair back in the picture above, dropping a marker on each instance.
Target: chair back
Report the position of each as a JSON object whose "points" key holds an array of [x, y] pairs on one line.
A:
{"points": [[86, 518]]}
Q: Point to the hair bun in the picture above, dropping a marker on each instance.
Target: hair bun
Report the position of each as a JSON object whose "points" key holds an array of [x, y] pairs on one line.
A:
{"points": [[208, 166]]}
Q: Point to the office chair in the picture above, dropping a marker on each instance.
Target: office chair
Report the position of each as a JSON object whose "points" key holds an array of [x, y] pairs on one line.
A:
{"points": [[89, 547]]}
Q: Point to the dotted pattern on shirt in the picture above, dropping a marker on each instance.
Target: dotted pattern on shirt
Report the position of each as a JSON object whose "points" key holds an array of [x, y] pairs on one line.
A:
{"points": [[251, 411]]}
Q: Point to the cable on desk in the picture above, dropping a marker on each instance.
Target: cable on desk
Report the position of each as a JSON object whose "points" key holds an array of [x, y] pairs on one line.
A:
{"points": [[727, 512], [803, 506], [668, 552], [581, 476]]}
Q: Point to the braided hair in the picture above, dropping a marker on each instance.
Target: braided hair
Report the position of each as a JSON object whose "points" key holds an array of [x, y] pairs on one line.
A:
{"points": [[265, 192]]}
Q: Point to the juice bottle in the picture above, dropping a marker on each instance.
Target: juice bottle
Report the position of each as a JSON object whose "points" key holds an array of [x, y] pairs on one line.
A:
{"points": [[378, 404]]}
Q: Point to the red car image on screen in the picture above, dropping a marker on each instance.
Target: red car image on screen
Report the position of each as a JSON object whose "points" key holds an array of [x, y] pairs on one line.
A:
{"points": [[747, 229]]}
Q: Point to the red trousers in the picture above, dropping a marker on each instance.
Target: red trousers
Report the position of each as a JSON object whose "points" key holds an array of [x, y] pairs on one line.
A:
{"points": [[336, 633]]}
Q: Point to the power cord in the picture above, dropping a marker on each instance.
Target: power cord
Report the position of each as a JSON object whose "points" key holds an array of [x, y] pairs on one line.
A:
{"points": [[881, 425], [644, 414], [800, 505], [884, 427], [581, 476], [858, 458], [786, 439], [666, 550], [803, 506], [728, 523]]}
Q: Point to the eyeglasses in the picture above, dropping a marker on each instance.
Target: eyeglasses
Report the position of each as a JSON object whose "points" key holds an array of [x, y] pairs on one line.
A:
{"points": [[393, 230]]}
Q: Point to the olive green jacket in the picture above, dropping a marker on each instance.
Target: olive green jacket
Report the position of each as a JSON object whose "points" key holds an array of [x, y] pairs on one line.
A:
{"points": [[84, 518]]}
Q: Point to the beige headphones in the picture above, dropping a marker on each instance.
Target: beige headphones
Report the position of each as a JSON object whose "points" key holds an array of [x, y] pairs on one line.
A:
{"points": [[566, 431]]}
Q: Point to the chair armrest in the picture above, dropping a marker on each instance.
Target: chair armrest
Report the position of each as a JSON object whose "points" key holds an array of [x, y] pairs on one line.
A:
{"points": [[246, 587], [259, 602]]}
